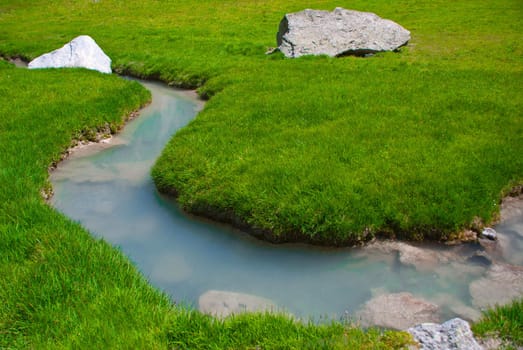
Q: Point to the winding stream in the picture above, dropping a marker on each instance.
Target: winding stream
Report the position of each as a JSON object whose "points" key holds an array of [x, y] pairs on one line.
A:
{"points": [[110, 192]]}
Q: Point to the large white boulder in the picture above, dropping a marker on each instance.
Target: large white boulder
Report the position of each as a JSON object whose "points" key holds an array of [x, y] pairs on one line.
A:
{"points": [[337, 33], [81, 52]]}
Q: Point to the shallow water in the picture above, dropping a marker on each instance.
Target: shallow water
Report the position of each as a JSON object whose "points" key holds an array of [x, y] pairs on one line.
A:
{"points": [[110, 192]]}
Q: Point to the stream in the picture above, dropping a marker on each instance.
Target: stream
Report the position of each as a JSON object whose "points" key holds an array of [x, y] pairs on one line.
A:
{"points": [[108, 189]]}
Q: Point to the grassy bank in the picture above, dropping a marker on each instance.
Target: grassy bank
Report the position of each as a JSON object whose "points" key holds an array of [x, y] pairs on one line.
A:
{"points": [[504, 322], [333, 151], [53, 274], [59, 287], [378, 156]]}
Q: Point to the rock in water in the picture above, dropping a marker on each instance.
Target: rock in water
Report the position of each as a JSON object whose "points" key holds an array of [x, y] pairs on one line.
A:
{"points": [[337, 33], [480, 258], [397, 311], [81, 52], [489, 233], [222, 304], [502, 284], [453, 334]]}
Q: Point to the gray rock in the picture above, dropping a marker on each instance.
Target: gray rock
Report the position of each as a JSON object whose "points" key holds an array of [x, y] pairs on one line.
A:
{"points": [[489, 233], [502, 284], [222, 304], [453, 334], [81, 52], [397, 311], [337, 33]]}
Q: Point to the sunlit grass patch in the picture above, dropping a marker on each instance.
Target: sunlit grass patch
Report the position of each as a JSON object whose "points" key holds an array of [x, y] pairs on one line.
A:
{"points": [[389, 149], [505, 322]]}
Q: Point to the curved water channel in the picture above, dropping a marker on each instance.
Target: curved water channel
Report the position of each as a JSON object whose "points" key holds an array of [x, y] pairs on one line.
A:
{"points": [[110, 192]]}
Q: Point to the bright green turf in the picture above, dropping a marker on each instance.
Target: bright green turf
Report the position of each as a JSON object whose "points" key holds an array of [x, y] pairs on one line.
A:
{"points": [[58, 284], [376, 154]]}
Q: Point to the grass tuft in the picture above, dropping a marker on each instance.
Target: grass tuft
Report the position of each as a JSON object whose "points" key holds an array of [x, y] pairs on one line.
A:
{"points": [[505, 322]]}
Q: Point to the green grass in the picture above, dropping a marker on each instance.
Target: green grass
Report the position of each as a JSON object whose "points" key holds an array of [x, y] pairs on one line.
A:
{"points": [[332, 151], [505, 322], [57, 284], [61, 288], [192, 330]]}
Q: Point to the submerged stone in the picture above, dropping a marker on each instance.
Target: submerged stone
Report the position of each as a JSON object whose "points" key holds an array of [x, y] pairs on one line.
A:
{"points": [[337, 33], [397, 311], [512, 207], [222, 303], [480, 258], [502, 284], [458, 307], [81, 52], [421, 258]]}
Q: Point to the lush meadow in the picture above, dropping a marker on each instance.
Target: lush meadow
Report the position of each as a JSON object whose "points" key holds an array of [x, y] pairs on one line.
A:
{"points": [[334, 151], [413, 144]]}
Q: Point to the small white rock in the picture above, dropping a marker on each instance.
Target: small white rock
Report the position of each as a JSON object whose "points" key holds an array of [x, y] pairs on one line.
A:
{"points": [[489, 233]]}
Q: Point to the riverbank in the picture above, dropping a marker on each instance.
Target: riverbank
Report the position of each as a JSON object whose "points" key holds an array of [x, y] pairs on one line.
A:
{"points": [[418, 173], [112, 195], [509, 207], [55, 277]]}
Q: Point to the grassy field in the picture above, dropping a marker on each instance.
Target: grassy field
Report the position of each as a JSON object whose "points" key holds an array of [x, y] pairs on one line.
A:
{"points": [[332, 151], [414, 145]]}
